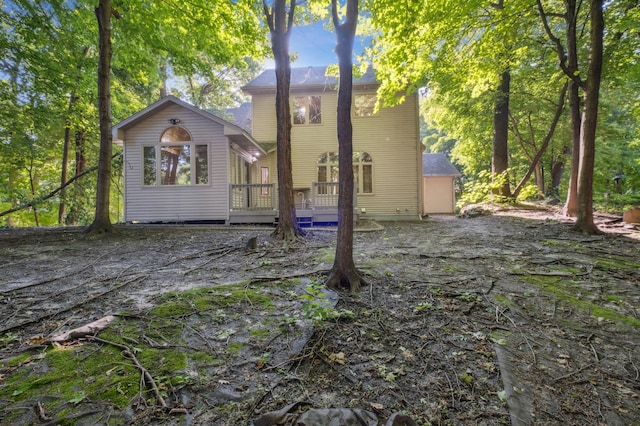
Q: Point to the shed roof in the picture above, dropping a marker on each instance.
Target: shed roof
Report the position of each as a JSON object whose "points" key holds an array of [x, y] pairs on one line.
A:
{"points": [[235, 133], [305, 77], [438, 165]]}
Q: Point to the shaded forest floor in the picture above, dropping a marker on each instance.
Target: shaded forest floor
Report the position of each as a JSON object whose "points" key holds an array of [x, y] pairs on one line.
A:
{"points": [[503, 318]]}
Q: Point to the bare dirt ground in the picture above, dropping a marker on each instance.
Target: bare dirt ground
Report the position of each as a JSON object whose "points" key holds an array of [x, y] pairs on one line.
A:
{"points": [[503, 318]]}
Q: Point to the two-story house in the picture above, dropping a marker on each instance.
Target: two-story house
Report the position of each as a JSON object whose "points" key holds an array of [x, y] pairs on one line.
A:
{"points": [[184, 164]]}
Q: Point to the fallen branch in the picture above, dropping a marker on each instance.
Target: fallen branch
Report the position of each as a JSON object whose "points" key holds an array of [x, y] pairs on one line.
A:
{"points": [[261, 279], [127, 353], [85, 330], [45, 197]]}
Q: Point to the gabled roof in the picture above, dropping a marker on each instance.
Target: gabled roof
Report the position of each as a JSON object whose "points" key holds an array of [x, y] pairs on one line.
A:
{"points": [[236, 134], [305, 77], [242, 116], [438, 165]]}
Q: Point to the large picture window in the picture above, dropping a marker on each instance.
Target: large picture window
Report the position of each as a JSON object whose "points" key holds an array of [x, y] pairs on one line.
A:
{"points": [[362, 171], [176, 160], [307, 110]]}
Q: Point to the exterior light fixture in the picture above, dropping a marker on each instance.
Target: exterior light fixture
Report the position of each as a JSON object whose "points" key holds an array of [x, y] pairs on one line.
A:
{"points": [[174, 121]]}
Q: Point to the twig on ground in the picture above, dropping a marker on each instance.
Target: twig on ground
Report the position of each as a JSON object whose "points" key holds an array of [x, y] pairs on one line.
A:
{"points": [[74, 306], [205, 263], [42, 415], [573, 373]]}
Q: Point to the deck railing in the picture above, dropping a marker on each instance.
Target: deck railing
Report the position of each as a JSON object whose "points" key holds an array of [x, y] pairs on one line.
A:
{"points": [[261, 197], [324, 195], [252, 196]]}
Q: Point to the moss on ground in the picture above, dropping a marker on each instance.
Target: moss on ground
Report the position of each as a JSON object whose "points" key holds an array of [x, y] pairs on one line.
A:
{"points": [[170, 340], [569, 292]]}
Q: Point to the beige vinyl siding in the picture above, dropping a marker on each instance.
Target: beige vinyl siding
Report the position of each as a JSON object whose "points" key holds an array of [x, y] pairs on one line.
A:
{"points": [[390, 137], [176, 203], [263, 121], [269, 161], [439, 196], [309, 141]]}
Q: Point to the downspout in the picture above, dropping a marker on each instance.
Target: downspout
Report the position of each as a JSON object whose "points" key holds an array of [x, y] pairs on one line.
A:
{"points": [[420, 151]]}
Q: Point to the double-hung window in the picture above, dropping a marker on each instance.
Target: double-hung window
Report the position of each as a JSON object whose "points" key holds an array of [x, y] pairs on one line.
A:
{"points": [[307, 110], [175, 160]]}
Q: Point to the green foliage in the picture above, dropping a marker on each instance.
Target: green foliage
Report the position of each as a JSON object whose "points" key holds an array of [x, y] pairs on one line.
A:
{"points": [[318, 308], [482, 190], [48, 86]]}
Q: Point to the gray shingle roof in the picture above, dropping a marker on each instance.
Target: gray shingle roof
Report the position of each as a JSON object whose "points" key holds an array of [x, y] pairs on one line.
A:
{"points": [[438, 165], [306, 76]]}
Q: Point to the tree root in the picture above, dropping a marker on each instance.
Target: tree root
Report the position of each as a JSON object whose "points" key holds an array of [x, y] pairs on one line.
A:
{"points": [[147, 378], [339, 280]]}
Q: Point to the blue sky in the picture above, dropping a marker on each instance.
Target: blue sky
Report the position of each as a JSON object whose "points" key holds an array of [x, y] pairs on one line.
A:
{"points": [[314, 46]]}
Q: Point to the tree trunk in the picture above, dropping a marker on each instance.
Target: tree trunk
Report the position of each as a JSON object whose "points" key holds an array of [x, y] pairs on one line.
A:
{"points": [[571, 205], [65, 160], [280, 25], [32, 186], [63, 173], [584, 220], [568, 61], [557, 170], [102, 221], [500, 157], [73, 216], [344, 273]]}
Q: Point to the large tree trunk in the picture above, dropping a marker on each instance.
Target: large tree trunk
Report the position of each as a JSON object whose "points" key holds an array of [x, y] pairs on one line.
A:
{"points": [[102, 221], [280, 25], [571, 205], [584, 220], [500, 157], [344, 273]]}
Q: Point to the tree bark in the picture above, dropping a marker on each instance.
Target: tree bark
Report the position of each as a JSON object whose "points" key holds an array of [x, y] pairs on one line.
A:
{"points": [[584, 220], [280, 26], [500, 157], [102, 220], [344, 273]]}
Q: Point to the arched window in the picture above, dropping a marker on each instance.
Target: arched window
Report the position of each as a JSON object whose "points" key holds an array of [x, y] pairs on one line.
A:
{"points": [[363, 173], [175, 134], [171, 161], [362, 170]]}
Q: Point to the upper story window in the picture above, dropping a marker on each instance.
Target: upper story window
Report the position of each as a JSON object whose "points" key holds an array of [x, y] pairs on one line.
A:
{"points": [[307, 110], [364, 105], [175, 160]]}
